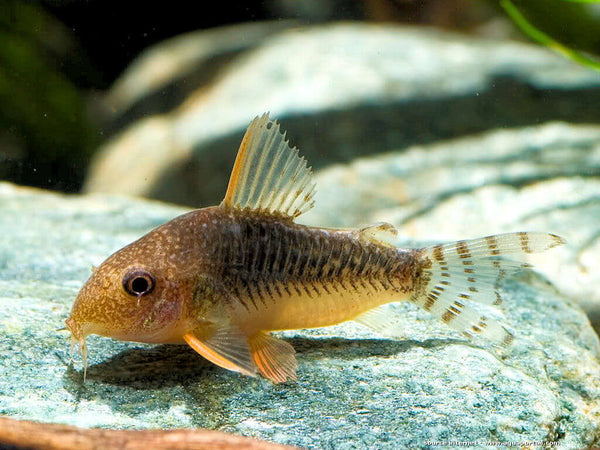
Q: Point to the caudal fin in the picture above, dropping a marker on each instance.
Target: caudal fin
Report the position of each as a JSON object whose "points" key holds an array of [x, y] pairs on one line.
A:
{"points": [[473, 270]]}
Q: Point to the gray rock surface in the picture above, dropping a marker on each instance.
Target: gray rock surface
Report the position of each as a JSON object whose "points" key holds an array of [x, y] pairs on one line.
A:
{"points": [[340, 90], [355, 389]]}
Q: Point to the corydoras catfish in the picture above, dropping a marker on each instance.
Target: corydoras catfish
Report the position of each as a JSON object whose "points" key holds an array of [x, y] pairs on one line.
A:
{"points": [[222, 278]]}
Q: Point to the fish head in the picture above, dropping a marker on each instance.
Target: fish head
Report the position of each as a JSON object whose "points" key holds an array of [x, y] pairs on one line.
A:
{"points": [[135, 295]]}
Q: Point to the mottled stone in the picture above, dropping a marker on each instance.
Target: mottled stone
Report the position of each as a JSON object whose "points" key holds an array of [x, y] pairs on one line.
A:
{"points": [[341, 91], [355, 389]]}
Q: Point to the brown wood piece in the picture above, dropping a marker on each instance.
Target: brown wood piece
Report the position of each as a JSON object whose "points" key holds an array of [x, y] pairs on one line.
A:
{"points": [[48, 436]]}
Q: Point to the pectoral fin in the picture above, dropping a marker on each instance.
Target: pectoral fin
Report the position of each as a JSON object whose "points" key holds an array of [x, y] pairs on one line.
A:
{"points": [[226, 346], [274, 358]]}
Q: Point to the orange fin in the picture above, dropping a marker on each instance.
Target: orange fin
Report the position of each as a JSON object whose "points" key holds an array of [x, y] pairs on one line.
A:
{"points": [[268, 175], [274, 358], [226, 347]]}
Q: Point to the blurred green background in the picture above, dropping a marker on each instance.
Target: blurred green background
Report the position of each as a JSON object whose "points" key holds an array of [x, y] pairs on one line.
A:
{"points": [[58, 57]]}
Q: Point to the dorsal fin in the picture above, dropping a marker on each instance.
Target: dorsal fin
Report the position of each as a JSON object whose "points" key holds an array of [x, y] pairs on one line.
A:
{"points": [[268, 175]]}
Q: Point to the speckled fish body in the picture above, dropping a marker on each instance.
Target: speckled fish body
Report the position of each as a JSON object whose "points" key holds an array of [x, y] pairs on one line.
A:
{"points": [[221, 278], [284, 276]]}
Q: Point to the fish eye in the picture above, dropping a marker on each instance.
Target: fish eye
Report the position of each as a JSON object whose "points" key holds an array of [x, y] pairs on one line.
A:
{"points": [[138, 282]]}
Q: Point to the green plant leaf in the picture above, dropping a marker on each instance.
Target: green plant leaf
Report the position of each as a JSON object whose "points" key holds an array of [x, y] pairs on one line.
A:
{"points": [[546, 40]]}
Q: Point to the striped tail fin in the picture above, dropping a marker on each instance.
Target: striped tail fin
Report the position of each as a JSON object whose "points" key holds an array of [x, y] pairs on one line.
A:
{"points": [[472, 270]]}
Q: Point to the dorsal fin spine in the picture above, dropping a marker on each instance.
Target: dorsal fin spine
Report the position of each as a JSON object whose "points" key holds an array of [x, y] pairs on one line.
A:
{"points": [[275, 182], [310, 203], [266, 189], [268, 175], [290, 162], [293, 180], [245, 171], [248, 167], [307, 194], [266, 144], [298, 192]]}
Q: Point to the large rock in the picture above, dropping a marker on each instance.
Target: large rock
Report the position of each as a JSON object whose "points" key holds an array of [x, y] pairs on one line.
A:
{"points": [[164, 75], [355, 389], [340, 90]]}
